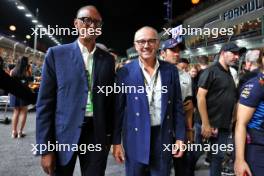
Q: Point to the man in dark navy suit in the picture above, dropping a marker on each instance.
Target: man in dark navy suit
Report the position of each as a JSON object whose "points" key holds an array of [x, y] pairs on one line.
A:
{"points": [[148, 120], [70, 108]]}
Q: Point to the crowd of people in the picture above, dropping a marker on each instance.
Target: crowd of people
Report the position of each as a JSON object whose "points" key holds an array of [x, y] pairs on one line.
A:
{"points": [[205, 102]]}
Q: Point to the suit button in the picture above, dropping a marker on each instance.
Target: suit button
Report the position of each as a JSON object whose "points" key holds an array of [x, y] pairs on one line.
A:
{"points": [[137, 114], [168, 117], [136, 129], [169, 102], [136, 98], [169, 131]]}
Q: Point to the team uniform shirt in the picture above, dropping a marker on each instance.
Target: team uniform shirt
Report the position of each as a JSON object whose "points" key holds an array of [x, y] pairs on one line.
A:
{"points": [[252, 95]]}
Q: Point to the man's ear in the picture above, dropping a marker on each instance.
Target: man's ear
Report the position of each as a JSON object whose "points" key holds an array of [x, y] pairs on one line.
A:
{"points": [[163, 54], [222, 53], [75, 23]]}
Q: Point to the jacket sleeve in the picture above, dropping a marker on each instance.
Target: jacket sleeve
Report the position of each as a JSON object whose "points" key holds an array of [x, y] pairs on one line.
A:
{"points": [[178, 109], [120, 104], [46, 104], [111, 104]]}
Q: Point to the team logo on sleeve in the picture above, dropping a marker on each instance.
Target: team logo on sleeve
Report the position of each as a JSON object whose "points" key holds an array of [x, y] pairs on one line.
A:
{"points": [[246, 91], [261, 81]]}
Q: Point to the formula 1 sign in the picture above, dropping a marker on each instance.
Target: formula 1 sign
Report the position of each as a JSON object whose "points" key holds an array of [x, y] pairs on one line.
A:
{"points": [[243, 9]]}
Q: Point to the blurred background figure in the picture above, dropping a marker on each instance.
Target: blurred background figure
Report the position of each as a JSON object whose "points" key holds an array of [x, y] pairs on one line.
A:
{"points": [[251, 68], [20, 72]]}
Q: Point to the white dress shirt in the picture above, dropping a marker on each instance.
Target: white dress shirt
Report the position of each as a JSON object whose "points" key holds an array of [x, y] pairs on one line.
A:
{"points": [[88, 61], [155, 108], [185, 83]]}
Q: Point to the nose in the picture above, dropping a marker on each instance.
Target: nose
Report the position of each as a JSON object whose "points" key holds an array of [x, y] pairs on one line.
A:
{"points": [[146, 44], [92, 25]]}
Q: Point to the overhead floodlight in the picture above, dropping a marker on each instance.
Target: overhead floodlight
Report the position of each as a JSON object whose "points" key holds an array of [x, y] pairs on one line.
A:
{"points": [[28, 37], [28, 15], [20, 7], [34, 21], [12, 28]]}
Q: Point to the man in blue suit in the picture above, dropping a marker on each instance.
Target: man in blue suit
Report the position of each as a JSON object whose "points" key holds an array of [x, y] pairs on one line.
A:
{"points": [[71, 111], [148, 120]]}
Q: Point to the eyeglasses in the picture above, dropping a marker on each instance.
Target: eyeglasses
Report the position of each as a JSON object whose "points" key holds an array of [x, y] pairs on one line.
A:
{"points": [[88, 21], [143, 42]]}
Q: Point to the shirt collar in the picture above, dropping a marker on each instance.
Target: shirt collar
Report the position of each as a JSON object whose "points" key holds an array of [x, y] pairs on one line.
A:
{"points": [[84, 50], [155, 67], [222, 68]]}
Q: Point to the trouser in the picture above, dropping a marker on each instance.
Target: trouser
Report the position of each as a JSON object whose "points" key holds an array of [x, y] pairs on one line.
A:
{"points": [[157, 165], [92, 163], [217, 158]]}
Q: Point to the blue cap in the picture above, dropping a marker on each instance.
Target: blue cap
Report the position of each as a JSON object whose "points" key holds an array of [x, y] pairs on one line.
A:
{"points": [[233, 48], [171, 43]]}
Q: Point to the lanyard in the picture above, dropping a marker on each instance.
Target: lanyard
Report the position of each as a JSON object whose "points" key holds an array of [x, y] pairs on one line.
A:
{"points": [[89, 79], [90, 72], [153, 88]]}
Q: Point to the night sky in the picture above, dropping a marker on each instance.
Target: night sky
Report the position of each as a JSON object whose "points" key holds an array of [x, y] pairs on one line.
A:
{"points": [[121, 18]]}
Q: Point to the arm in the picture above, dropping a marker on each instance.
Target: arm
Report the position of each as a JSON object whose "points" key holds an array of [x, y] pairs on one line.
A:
{"points": [[120, 104], [179, 117], [110, 103], [178, 107], [45, 112], [46, 103], [244, 114], [202, 107]]}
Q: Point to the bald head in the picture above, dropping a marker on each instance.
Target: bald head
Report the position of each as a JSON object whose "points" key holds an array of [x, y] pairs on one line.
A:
{"points": [[146, 29], [146, 42], [83, 11]]}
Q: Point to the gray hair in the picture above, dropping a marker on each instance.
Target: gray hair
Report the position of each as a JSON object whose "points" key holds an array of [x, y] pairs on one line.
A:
{"points": [[252, 56]]}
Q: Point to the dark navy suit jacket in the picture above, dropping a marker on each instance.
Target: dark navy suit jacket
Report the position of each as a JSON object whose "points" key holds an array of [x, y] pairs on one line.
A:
{"points": [[132, 119], [63, 96]]}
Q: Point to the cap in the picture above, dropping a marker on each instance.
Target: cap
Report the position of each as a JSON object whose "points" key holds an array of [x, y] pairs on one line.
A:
{"points": [[233, 48], [171, 43]]}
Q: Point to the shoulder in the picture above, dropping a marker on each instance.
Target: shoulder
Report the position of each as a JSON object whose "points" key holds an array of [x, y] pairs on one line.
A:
{"points": [[104, 54], [59, 50], [64, 47], [254, 87], [167, 65]]}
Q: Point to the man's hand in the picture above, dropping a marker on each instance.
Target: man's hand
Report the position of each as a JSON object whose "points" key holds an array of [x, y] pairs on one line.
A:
{"points": [[48, 163], [118, 153], [206, 131], [241, 168], [177, 150]]}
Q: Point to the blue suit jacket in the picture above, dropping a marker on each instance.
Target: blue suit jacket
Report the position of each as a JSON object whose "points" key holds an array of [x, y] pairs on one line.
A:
{"points": [[63, 96], [136, 129]]}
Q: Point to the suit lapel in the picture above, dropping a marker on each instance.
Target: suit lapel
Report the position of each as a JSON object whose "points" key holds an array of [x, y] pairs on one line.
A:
{"points": [[97, 64], [78, 59], [165, 77], [138, 80]]}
